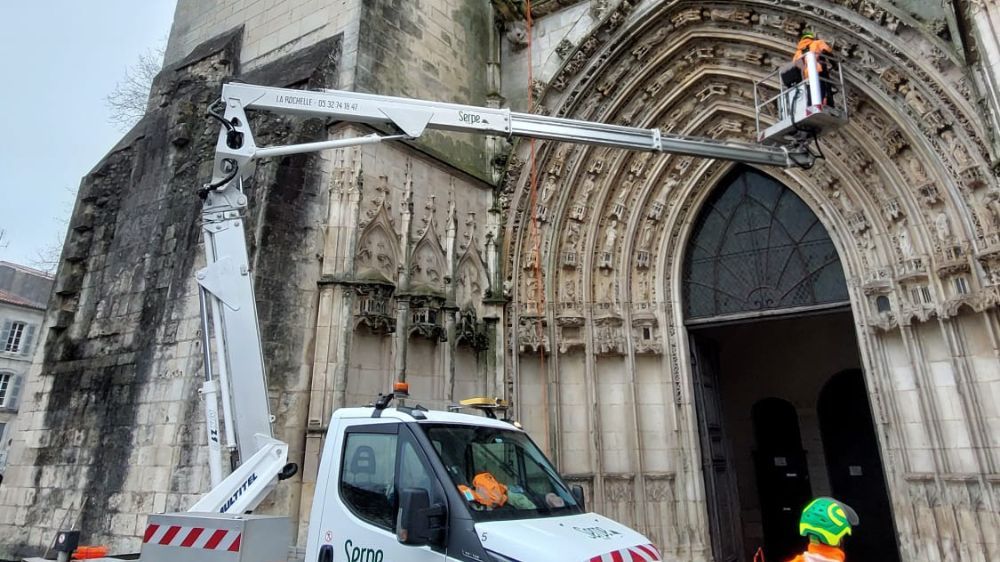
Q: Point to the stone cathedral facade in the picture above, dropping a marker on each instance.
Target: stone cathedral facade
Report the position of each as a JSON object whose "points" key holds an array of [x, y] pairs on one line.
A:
{"points": [[699, 344]]}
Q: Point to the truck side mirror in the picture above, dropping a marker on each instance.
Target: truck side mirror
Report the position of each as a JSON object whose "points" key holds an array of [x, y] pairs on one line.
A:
{"points": [[418, 523], [577, 491]]}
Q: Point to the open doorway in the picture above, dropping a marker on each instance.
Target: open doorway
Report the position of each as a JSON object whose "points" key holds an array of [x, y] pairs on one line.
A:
{"points": [[769, 321]]}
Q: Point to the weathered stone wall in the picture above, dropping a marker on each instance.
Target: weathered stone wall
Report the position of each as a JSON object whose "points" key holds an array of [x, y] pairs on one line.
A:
{"points": [[429, 50], [114, 428], [434, 51], [109, 391], [271, 29]]}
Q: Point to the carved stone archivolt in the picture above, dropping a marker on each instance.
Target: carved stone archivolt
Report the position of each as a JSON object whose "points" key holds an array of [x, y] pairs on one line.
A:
{"points": [[906, 190], [912, 153]]}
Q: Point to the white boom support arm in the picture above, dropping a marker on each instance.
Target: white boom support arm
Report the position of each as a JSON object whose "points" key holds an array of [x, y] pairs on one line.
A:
{"points": [[226, 283]]}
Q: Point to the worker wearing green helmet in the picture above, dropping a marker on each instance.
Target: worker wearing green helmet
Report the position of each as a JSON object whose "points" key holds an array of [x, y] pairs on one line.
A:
{"points": [[826, 522]]}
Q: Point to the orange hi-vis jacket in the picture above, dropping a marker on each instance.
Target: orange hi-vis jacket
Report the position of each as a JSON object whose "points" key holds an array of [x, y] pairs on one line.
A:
{"points": [[817, 46], [820, 553]]}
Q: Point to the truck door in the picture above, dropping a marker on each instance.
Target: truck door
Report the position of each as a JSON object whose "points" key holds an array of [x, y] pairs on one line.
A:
{"points": [[377, 461]]}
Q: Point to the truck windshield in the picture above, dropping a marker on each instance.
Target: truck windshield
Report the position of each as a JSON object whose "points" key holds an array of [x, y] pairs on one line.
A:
{"points": [[500, 473]]}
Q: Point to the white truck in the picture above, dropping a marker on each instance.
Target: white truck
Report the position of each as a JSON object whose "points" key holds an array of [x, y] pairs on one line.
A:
{"points": [[402, 483]]}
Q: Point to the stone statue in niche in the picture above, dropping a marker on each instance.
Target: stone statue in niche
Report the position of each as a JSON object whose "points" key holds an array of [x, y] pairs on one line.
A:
{"points": [[531, 289], [531, 259], [735, 15], [588, 187], [609, 84], [638, 164], [610, 237], [649, 42], [559, 160], [548, 188], [866, 240], [653, 88], [867, 60], [891, 209], [606, 290], [643, 289], [914, 99], [572, 234], [905, 244], [955, 149], [942, 227], [569, 290], [845, 201], [916, 169], [988, 210], [646, 238]]}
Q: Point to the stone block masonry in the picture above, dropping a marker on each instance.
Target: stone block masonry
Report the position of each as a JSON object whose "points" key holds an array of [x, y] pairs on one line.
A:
{"points": [[113, 428]]}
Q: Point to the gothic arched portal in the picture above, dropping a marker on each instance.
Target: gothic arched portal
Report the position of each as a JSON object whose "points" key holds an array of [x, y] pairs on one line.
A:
{"points": [[906, 195]]}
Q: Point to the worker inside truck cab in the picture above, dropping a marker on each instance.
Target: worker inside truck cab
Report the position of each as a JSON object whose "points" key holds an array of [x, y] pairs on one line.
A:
{"points": [[826, 522], [809, 43]]}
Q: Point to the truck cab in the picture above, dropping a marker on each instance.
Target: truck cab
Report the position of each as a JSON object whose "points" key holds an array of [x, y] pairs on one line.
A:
{"points": [[420, 485]]}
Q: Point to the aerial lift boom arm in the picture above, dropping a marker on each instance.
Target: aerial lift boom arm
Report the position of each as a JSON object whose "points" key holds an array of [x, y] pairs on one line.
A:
{"points": [[228, 305]]}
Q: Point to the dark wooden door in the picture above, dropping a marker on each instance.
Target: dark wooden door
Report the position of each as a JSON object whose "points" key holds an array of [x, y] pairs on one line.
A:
{"points": [[783, 485], [855, 466], [716, 459]]}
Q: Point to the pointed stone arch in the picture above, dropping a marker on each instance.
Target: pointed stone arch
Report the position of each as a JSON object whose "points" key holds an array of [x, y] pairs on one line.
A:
{"points": [[427, 264], [471, 280], [904, 194], [377, 256]]}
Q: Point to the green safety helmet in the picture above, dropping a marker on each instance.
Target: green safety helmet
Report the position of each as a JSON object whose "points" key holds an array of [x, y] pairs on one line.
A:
{"points": [[828, 520], [808, 34]]}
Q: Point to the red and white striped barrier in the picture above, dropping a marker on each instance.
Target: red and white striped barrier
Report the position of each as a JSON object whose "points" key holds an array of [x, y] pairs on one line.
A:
{"points": [[637, 553], [193, 537]]}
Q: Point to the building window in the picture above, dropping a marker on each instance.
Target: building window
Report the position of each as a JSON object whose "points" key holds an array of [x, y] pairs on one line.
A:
{"points": [[962, 285], [15, 336], [757, 246], [10, 390], [366, 477]]}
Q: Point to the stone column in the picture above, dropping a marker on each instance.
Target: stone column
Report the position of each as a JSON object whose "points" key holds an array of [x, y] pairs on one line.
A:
{"points": [[449, 309], [402, 335]]}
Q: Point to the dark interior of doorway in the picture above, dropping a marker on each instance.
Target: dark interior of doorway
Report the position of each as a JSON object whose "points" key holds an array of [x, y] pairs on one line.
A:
{"points": [[782, 421]]}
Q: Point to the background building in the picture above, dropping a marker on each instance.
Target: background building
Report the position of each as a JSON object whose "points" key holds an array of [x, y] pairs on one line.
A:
{"points": [[23, 294], [700, 345]]}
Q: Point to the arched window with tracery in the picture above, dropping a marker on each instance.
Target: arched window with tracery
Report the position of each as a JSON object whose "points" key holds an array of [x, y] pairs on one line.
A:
{"points": [[757, 247]]}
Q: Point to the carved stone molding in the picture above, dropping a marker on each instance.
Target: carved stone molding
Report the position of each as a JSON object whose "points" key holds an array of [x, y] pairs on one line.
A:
{"points": [[532, 335], [426, 313], [374, 307], [470, 331], [608, 336]]}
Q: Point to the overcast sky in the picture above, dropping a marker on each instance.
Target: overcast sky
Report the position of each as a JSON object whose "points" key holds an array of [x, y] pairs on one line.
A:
{"points": [[58, 61]]}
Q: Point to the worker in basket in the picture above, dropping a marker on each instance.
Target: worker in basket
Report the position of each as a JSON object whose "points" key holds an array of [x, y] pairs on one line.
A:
{"points": [[826, 522], [809, 43]]}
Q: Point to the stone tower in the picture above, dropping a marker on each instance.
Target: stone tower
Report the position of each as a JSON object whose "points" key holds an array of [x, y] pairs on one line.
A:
{"points": [[585, 300]]}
